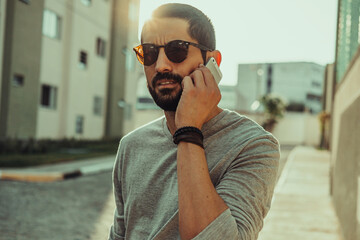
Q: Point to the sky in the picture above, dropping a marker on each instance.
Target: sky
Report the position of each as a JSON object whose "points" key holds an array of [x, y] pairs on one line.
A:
{"points": [[261, 31]]}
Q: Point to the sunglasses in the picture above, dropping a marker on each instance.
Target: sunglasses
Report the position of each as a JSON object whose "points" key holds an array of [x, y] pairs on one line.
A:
{"points": [[176, 51]]}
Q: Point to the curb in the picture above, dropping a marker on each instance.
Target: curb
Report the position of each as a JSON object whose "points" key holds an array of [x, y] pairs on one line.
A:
{"points": [[23, 176], [31, 177], [286, 169]]}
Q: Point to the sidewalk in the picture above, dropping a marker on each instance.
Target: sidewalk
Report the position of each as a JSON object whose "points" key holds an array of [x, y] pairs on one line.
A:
{"points": [[302, 207], [59, 171]]}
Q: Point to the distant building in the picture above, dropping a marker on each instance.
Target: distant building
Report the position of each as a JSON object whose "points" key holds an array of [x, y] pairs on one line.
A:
{"points": [[299, 83], [229, 97], [64, 67], [146, 102]]}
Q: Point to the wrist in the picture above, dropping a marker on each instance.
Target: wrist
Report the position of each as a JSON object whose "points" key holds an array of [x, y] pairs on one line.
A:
{"points": [[188, 124], [189, 134]]}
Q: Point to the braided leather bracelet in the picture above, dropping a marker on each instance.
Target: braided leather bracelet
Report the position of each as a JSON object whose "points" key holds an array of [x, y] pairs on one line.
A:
{"points": [[189, 134]]}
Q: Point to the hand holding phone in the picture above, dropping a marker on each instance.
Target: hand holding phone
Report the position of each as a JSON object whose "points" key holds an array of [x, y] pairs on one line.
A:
{"points": [[200, 96]]}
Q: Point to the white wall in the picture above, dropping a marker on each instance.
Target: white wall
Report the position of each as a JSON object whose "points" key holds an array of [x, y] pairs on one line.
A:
{"points": [[142, 117], [296, 129], [293, 129], [80, 27], [51, 73]]}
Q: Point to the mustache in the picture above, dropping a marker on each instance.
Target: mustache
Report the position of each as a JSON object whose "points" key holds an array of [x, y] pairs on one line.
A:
{"points": [[166, 75]]}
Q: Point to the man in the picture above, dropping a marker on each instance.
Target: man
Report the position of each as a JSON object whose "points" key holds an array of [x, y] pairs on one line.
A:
{"points": [[199, 172]]}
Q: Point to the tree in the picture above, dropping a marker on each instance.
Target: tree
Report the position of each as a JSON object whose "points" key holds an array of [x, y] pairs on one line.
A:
{"points": [[274, 109]]}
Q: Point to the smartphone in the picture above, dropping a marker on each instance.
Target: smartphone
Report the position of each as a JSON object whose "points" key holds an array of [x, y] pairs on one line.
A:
{"points": [[214, 69]]}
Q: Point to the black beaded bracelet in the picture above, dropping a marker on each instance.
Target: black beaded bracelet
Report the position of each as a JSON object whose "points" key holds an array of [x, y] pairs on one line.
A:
{"points": [[188, 129], [189, 134]]}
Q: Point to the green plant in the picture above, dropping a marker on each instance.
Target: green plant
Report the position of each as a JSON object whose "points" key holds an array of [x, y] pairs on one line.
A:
{"points": [[274, 109], [30, 152]]}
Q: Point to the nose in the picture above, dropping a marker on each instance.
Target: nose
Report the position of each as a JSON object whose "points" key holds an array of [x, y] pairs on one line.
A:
{"points": [[163, 64]]}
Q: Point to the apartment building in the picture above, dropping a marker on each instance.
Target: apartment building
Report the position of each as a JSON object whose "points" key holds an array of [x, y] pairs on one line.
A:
{"points": [[65, 67]]}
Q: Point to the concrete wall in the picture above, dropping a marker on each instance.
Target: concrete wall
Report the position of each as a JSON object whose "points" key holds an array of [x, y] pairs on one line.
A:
{"points": [[345, 151], [119, 106], [2, 38], [329, 88], [295, 128], [134, 70], [328, 104], [53, 57], [21, 57], [142, 117]]}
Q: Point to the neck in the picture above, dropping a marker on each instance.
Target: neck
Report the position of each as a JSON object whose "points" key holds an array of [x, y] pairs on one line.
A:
{"points": [[170, 118]]}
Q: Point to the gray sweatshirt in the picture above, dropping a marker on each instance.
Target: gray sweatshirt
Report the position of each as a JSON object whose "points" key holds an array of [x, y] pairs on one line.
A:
{"points": [[242, 160]]}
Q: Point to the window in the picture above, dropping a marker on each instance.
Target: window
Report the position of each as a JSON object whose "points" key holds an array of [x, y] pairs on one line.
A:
{"points": [[100, 47], [18, 80], [25, 1], [313, 97], [83, 60], [86, 2], [315, 84], [79, 125], [145, 103], [145, 100], [97, 106], [48, 96], [51, 24]]}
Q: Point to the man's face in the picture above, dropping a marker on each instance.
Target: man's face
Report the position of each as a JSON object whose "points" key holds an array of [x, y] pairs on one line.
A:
{"points": [[164, 77]]}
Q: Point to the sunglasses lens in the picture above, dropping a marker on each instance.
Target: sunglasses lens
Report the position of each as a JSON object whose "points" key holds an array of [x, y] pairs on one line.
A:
{"points": [[176, 51], [150, 54]]}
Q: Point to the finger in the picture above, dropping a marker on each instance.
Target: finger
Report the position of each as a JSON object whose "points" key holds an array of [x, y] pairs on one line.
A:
{"points": [[208, 77], [198, 78], [187, 83]]}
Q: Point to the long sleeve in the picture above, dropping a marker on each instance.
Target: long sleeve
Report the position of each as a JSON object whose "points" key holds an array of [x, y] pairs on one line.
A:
{"points": [[247, 188]]}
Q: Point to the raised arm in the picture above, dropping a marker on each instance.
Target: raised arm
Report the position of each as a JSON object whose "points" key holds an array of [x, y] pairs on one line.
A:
{"points": [[238, 204]]}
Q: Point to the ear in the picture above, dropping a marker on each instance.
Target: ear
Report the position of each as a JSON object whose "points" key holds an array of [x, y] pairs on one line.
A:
{"points": [[217, 55]]}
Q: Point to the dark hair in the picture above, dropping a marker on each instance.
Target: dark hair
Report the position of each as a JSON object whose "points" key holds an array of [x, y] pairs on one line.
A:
{"points": [[200, 26]]}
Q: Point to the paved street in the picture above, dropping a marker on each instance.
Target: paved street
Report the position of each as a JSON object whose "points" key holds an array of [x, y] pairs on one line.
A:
{"points": [[75, 209], [82, 208]]}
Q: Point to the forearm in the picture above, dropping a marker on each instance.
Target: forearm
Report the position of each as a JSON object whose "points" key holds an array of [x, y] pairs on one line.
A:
{"points": [[199, 203]]}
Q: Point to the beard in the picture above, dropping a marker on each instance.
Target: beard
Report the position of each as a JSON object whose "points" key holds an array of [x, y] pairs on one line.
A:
{"points": [[166, 99]]}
